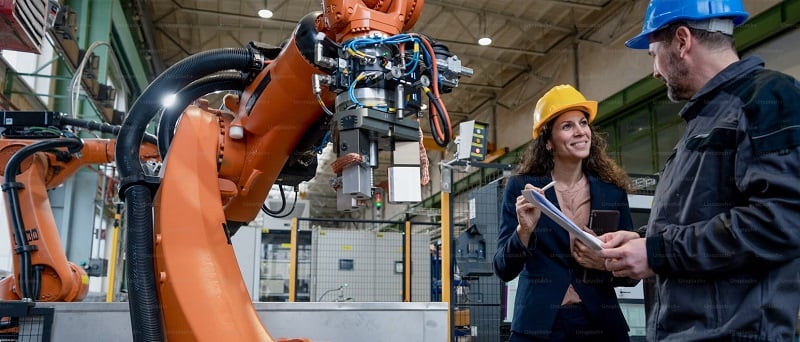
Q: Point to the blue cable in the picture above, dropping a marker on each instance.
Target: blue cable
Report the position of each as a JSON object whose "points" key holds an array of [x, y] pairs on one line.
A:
{"points": [[325, 140]]}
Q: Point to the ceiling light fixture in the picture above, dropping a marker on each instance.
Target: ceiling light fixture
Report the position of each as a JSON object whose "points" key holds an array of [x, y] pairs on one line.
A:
{"points": [[265, 13], [484, 39]]}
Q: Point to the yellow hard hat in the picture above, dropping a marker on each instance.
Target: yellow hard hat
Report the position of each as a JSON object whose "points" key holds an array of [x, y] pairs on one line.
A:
{"points": [[560, 99]]}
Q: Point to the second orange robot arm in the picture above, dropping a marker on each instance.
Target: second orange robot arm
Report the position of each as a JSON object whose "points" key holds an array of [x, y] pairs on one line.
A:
{"points": [[57, 278]]}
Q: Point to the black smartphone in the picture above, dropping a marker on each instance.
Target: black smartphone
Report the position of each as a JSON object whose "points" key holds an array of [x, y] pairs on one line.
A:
{"points": [[604, 221]]}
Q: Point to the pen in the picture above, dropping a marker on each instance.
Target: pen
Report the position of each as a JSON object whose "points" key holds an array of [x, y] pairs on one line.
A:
{"points": [[548, 186]]}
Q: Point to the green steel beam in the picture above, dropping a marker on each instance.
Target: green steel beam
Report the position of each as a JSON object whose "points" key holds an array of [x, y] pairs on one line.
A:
{"points": [[99, 25], [104, 20], [769, 23], [127, 51], [638, 92], [41, 94], [95, 25], [14, 73], [94, 22], [61, 87], [17, 94]]}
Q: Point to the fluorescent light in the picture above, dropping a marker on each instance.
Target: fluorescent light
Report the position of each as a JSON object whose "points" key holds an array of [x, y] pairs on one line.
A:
{"points": [[484, 41], [265, 13]]}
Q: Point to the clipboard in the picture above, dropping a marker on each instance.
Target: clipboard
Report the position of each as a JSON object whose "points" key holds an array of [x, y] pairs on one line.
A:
{"points": [[556, 215]]}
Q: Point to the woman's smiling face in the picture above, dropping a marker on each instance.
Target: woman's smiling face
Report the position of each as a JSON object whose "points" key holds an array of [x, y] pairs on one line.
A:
{"points": [[571, 138]]}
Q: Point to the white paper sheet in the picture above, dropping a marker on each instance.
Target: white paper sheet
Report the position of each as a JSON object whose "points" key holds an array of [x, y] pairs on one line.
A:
{"points": [[556, 215]]}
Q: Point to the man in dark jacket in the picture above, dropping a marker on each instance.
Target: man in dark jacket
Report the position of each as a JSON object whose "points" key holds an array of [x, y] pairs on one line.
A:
{"points": [[723, 239]]}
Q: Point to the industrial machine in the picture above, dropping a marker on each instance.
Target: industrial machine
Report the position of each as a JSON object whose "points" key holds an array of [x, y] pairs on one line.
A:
{"points": [[350, 74], [38, 153]]}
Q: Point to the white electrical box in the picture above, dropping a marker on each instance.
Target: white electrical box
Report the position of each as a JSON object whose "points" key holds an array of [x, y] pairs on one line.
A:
{"points": [[404, 184], [472, 141]]}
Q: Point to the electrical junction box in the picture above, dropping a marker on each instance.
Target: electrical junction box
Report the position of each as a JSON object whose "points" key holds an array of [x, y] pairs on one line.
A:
{"points": [[404, 184], [97, 268], [472, 141]]}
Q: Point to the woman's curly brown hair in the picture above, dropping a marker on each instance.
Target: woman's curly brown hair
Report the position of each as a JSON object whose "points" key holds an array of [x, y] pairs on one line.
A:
{"points": [[537, 160]]}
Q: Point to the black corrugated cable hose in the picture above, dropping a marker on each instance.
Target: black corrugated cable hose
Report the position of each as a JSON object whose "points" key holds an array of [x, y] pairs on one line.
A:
{"points": [[203, 86], [100, 127], [146, 322], [95, 126]]}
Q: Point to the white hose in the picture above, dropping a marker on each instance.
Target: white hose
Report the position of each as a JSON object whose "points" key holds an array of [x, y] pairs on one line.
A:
{"points": [[74, 88]]}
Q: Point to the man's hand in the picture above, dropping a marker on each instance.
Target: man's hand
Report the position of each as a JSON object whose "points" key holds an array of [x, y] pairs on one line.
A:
{"points": [[584, 255], [628, 260], [617, 238], [527, 216]]}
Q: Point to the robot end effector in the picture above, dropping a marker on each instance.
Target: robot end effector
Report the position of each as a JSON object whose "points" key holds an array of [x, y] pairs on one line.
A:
{"points": [[381, 83]]}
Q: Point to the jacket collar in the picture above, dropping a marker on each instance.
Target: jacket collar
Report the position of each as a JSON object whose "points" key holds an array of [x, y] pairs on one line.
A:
{"points": [[733, 71]]}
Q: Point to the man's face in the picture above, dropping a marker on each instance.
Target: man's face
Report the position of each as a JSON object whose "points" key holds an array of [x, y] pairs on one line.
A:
{"points": [[670, 68]]}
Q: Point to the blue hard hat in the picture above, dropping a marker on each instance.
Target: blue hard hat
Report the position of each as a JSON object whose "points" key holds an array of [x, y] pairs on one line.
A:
{"points": [[662, 12]]}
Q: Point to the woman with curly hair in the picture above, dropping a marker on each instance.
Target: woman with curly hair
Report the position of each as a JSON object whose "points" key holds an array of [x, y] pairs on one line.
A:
{"points": [[564, 292]]}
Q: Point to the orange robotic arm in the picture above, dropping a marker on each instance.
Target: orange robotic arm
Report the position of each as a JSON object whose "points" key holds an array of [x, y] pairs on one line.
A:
{"points": [[349, 70], [31, 166]]}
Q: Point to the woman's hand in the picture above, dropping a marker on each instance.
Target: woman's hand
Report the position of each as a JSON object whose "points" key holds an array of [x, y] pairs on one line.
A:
{"points": [[584, 255], [527, 216]]}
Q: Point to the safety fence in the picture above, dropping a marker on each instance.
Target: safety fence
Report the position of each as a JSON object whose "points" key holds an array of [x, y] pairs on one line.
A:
{"points": [[339, 260], [478, 298], [22, 321], [344, 260]]}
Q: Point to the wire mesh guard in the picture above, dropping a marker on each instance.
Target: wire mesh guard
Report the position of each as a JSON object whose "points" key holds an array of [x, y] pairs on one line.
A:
{"points": [[479, 297], [340, 260], [23, 321], [367, 264]]}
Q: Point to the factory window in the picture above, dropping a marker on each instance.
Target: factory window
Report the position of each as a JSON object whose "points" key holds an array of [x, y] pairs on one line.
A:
{"points": [[637, 155], [642, 138]]}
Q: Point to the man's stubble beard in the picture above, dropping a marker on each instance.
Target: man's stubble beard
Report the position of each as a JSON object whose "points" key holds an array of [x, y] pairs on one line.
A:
{"points": [[677, 79]]}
